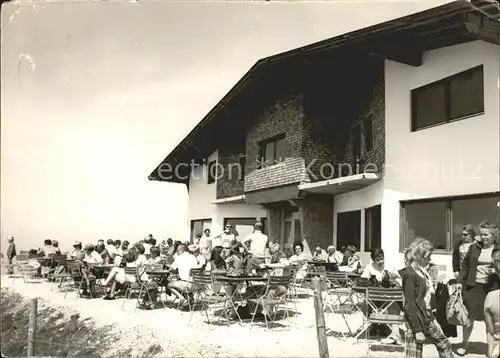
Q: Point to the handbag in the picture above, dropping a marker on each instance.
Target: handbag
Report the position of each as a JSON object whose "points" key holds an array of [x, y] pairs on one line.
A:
{"points": [[456, 312]]}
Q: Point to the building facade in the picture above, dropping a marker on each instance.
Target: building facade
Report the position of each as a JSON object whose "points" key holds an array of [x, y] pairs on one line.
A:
{"points": [[361, 143]]}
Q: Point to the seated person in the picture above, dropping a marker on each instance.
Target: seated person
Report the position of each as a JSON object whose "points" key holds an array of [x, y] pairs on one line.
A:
{"points": [[183, 263], [216, 265], [111, 249], [77, 246], [319, 254], [200, 259], [91, 256], [279, 266], [101, 250], [117, 274], [155, 258], [88, 279], [378, 270], [47, 250], [236, 261], [333, 255], [351, 261], [299, 259]]}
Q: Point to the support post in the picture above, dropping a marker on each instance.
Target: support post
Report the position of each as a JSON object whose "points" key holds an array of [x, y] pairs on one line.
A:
{"points": [[320, 318], [32, 327]]}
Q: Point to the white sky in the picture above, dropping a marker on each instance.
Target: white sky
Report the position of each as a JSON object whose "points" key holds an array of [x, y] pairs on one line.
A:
{"points": [[116, 85]]}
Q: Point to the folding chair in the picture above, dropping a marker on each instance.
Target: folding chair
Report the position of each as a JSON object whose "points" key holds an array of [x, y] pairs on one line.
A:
{"points": [[62, 273], [28, 273], [263, 300], [76, 270], [190, 290], [139, 286], [158, 281], [204, 281], [338, 297], [379, 300]]}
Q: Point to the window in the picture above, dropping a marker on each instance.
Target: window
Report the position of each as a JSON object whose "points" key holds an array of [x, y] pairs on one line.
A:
{"points": [[273, 150], [427, 220], [212, 172], [198, 226], [349, 229], [440, 221], [373, 228], [455, 97], [473, 211], [356, 141], [368, 132]]}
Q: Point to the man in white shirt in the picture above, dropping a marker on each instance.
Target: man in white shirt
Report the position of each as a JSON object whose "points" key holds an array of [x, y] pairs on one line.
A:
{"points": [[183, 263], [111, 249], [91, 256], [257, 250]]}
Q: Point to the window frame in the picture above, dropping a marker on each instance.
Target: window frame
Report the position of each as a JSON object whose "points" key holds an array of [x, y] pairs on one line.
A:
{"points": [[448, 200], [263, 144], [360, 216], [367, 213], [446, 82], [211, 177], [192, 222]]}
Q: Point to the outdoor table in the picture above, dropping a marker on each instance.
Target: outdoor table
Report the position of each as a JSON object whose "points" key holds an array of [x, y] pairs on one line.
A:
{"points": [[100, 269], [238, 282]]}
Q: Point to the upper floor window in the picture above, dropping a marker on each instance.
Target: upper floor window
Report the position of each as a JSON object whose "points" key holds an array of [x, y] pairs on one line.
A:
{"points": [[273, 150], [211, 171], [356, 141], [452, 98]]}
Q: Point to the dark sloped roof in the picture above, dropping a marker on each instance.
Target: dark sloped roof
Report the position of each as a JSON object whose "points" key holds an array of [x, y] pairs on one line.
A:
{"points": [[403, 40]]}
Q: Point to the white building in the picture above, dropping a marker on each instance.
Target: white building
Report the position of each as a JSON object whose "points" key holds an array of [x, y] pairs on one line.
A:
{"points": [[412, 105]]}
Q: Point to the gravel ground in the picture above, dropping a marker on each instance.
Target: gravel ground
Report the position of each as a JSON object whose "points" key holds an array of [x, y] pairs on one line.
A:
{"points": [[165, 332]]}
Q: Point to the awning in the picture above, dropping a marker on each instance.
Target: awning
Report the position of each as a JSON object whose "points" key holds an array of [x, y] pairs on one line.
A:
{"points": [[341, 185], [231, 200], [273, 195]]}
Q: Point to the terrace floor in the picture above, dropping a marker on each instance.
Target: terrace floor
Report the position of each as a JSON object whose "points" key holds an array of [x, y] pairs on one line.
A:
{"points": [[169, 329]]}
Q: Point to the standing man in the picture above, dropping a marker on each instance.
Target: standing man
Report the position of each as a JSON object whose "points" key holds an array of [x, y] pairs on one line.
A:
{"points": [[257, 250]]}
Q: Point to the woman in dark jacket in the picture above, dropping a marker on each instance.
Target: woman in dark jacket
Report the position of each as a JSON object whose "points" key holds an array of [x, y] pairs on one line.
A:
{"points": [[418, 289], [475, 277], [468, 235]]}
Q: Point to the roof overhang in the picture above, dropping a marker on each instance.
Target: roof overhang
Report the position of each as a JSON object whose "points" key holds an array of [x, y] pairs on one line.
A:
{"points": [[240, 199], [402, 40], [341, 185]]}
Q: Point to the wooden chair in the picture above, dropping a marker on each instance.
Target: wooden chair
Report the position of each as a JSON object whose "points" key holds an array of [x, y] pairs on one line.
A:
{"points": [[189, 290]]}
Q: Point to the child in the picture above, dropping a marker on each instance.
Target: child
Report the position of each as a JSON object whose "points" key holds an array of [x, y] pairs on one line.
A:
{"points": [[11, 253], [492, 312], [418, 289]]}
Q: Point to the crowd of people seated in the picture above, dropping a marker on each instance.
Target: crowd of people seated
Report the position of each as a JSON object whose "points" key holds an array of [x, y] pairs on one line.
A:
{"points": [[476, 267]]}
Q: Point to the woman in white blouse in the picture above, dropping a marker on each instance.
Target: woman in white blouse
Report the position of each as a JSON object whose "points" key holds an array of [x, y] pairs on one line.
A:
{"points": [[299, 259]]}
